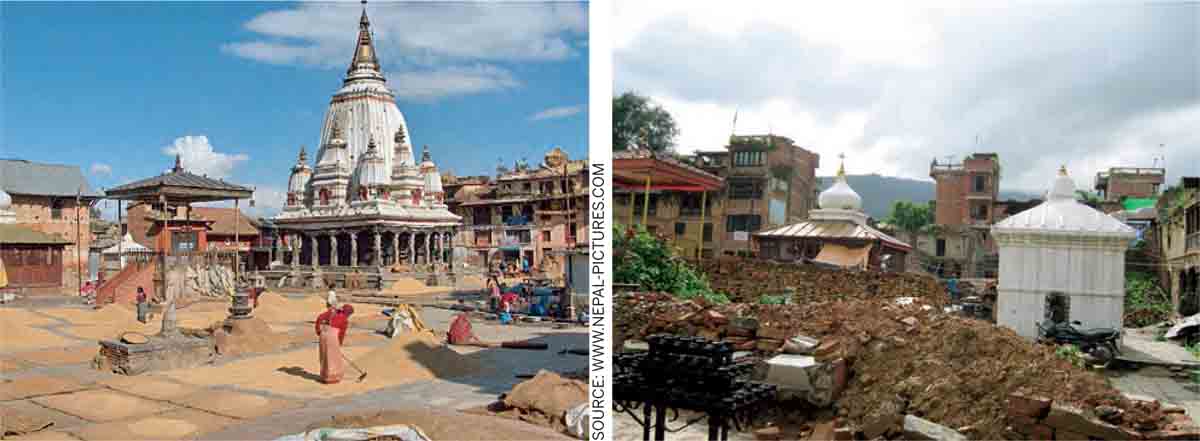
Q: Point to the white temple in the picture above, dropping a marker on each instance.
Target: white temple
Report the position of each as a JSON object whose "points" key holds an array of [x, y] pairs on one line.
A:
{"points": [[1061, 258], [366, 202]]}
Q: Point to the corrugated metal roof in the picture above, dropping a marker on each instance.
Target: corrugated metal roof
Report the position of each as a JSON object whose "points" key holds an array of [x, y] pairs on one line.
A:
{"points": [[18, 176], [16, 234], [832, 230], [180, 179]]}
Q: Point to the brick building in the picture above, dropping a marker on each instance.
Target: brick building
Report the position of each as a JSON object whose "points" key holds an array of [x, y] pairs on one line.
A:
{"points": [[967, 191], [203, 229], [1179, 237], [768, 182], [531, 213], [56, 200], [1132, 182]]}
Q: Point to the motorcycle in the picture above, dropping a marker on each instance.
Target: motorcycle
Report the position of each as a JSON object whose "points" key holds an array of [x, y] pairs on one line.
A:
{"points": [[1099, 343]]}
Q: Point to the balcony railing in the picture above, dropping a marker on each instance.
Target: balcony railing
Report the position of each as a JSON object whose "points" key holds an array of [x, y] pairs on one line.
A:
{"points": [[1193, 242]]}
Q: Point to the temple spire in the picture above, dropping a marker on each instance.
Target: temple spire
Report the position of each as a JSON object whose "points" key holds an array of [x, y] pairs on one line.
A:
{"points": [[178, 164], [842, 167], [364, 52]]}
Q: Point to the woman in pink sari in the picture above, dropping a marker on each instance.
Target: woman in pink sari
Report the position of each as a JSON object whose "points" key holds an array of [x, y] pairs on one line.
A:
{"points": [[331, 328]]}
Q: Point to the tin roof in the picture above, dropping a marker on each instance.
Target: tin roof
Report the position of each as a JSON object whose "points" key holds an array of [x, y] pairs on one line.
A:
{"points": [[19, 176], [822, 229]]}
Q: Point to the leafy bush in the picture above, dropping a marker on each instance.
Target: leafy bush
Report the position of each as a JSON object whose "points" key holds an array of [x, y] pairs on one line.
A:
{"points": [[650, 263], [1145, 302]]}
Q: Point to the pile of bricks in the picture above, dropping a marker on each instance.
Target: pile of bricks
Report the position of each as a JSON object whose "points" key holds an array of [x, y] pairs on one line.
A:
{"points": [[1040, 418], [747, 280]]}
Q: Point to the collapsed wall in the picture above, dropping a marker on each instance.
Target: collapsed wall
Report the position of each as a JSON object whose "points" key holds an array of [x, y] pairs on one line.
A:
{"points": [[747, 280]]}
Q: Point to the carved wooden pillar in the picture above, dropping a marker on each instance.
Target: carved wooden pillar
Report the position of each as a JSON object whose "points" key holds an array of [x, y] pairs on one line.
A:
{"points": [[333, 250], [354, 249], [274, 251], [315, 255], [378, 259]]}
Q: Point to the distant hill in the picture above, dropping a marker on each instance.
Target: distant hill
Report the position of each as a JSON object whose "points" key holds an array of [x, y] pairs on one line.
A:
{"points": [[879, 192]]}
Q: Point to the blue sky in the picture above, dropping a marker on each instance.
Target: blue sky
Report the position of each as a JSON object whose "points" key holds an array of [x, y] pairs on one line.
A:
{"points": [[117, 88]]}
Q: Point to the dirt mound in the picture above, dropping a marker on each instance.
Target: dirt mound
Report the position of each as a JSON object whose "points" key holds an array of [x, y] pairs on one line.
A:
{"points": [[417, 355], [276, 308], [246, 336], [409, 286], [954, 371]]}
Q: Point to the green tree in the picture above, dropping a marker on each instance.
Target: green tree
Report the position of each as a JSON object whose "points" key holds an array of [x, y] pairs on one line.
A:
{"points": [[644, 260], [639, 121], [910, 217]]}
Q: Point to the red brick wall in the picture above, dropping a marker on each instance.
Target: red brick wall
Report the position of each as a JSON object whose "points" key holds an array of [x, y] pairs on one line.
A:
{"points": [[951, 194], [35, 213]]}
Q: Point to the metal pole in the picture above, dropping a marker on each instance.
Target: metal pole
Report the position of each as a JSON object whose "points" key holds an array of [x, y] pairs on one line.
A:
{"points": [[646, 203], [700, 235], [237, 243]]}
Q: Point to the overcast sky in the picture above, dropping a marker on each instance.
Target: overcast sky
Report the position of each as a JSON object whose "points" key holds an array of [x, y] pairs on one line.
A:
{"points": [[894, 86]]}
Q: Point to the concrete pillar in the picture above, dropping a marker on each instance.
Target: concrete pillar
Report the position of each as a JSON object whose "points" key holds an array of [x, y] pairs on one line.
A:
{"points": [[333, 250], [378, 259], [354, 249]]}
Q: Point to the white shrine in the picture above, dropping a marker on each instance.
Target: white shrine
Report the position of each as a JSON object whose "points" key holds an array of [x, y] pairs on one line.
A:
{"points": [[1061, 258], [368, 201]]}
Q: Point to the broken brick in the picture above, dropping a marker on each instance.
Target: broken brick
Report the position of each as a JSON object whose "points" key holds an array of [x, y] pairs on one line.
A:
{"points": [[1028, 406], [1072, 419]]}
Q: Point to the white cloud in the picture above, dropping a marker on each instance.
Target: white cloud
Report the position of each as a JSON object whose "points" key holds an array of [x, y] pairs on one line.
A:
{"points": [[1040, 84], [101, 169], [431, 84], [557, 112], [420, 40], [199, 157]]}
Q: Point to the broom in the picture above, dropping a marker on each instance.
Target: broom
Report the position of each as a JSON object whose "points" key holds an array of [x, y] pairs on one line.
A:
{"points": [[355, 366]]}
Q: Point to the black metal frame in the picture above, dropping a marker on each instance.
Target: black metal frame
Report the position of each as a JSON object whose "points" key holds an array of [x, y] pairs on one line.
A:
{"points": [[688, 373]]}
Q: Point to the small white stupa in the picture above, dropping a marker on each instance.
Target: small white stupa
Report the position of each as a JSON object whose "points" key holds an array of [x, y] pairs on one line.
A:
{"points": [[7, 216], [1061, 258]]}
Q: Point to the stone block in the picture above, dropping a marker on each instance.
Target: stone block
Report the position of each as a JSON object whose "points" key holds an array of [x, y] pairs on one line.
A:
{"points": [[921, 429], [1072, 419], [841, 376], [823, 432], [1028, 406], [791, 371], [800, 345]]}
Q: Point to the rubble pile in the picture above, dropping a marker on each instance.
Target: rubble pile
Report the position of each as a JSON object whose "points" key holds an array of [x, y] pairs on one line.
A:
{"points": [[746, 280], [1039, 417], [905, 357]]}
